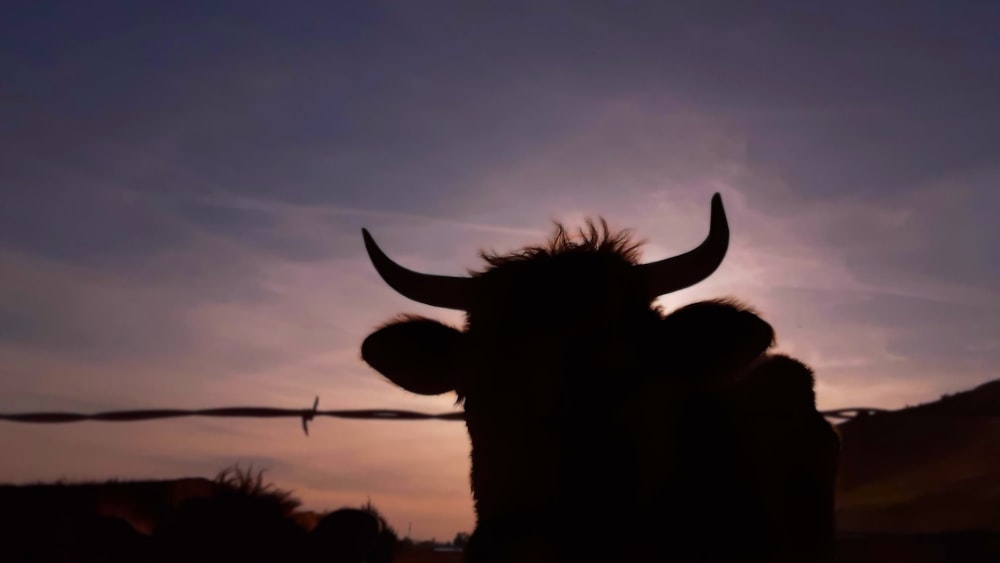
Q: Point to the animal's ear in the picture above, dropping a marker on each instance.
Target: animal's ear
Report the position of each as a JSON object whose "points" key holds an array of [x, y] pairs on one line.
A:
{"points": [[715, 338], [415, 353], [779, 383]]}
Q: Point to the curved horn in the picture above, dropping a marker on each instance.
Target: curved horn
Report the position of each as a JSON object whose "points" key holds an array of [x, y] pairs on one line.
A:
{"points": [[685, 270], [437, 291]]}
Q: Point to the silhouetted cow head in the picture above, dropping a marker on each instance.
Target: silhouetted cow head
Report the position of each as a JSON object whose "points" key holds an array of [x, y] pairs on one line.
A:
{"points": [[598, 422]]}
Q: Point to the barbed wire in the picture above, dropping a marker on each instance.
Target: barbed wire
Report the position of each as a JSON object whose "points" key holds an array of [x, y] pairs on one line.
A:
{"points": [[307, 415]]}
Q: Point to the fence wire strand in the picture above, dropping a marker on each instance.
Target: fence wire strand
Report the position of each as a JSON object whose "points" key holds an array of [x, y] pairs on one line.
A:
{"points": [[307, 415]]}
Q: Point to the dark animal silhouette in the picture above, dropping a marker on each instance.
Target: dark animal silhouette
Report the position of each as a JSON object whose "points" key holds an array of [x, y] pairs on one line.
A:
{"points": [[350, 535], [243, 522], [603, 429]]}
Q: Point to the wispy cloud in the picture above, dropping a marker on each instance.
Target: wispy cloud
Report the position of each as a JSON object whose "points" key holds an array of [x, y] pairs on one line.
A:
{"points": [[180, 219]]}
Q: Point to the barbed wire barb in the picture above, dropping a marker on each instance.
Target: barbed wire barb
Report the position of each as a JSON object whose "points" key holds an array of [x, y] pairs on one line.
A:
{"points": [[309, 415]]}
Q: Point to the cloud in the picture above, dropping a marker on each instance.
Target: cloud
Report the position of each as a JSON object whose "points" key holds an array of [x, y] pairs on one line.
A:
{"points": [[180, 213]]}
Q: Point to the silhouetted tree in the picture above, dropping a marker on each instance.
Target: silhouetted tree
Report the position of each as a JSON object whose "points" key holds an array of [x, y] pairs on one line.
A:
{"points": [[460, 540]]}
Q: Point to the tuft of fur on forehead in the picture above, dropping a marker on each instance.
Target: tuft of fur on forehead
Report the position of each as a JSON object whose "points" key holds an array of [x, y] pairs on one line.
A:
{"points": [[594, 238]]}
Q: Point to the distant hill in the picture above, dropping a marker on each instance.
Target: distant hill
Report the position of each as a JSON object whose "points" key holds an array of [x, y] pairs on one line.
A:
{"points": [[931, 468], [142, 503]]}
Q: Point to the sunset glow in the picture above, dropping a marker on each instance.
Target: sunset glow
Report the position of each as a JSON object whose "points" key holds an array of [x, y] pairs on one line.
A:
{"points": [[183, 195]]}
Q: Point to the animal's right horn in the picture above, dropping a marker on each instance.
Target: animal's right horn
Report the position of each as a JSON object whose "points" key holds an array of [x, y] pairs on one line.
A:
{"points": [[685, 270], [437, 291]]}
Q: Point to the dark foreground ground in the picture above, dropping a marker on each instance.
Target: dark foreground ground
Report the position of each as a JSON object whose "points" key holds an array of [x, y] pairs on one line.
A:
{"points": [[912, 484], [973, 547], [920, 548], [959, 547]]}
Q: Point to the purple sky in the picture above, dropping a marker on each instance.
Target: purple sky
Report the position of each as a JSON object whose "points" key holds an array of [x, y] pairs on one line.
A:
{"points": [[182, 190]]}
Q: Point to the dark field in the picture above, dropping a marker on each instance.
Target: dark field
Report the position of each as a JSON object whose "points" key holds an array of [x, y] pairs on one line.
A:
{"points": [[919, 485]]}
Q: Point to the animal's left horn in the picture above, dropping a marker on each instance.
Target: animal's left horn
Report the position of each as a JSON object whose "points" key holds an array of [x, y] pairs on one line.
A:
{"points": [[685, 270], [437, 291]]}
